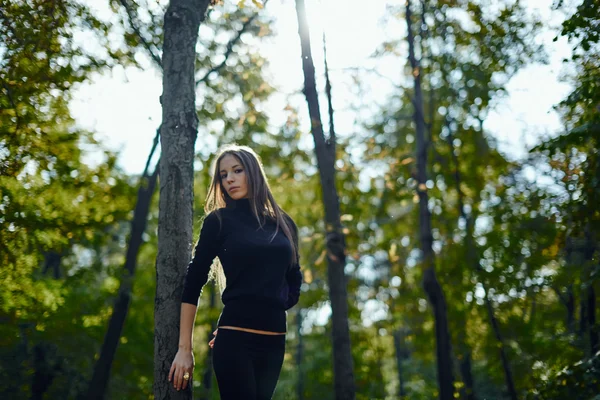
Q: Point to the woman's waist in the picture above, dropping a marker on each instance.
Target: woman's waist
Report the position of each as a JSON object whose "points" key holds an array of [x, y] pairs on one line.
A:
{"points": [[253, 312]]}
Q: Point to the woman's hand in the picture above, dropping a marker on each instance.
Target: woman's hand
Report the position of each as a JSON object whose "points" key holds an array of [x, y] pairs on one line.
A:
{"points": [[212, 342], [183, 362]]}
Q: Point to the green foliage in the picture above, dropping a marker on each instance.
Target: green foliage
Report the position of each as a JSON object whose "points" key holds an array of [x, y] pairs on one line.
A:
{"points": [[577, 381]]}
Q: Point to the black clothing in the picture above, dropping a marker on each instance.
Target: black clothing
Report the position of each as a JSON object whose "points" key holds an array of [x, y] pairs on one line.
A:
{"points": [[262, 280], [247, 365]]}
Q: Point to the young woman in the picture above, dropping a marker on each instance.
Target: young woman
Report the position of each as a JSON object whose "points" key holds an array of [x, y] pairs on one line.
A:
{"points": [[258, 270]]}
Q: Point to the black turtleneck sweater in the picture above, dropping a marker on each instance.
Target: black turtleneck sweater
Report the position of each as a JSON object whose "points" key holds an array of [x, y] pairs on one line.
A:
{"points": [[262, 280]]}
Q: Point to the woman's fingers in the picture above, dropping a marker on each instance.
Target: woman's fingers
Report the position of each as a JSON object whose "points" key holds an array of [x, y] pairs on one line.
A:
{"points": [[171, 372], [212, 341], [179, 378], [185, 381]]}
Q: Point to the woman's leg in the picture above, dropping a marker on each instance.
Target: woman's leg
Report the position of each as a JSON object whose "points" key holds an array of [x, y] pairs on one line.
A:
{"points": [[268, 360], [233, 366]]}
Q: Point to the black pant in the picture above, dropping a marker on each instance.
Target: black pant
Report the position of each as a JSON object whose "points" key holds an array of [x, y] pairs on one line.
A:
{"points": [[247, 365]]}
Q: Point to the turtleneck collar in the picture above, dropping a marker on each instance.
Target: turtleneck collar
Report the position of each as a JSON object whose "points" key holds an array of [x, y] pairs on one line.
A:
{"points": [[243, 205]]}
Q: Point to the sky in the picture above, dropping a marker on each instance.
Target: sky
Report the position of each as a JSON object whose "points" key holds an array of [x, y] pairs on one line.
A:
{"points": [[122, 107]]}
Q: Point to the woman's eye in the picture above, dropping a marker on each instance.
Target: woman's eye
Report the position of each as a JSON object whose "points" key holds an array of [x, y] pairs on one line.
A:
{"points": [[237, 171]]}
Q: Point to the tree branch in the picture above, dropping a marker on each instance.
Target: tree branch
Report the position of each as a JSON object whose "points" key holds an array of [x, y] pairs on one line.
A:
{"points": [[12, 102], [154, 146], [331, 143], [229, 48], [132, 21]]}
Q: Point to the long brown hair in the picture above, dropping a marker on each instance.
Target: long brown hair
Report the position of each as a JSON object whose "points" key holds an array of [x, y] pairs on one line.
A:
{"points": [[262, 202]]}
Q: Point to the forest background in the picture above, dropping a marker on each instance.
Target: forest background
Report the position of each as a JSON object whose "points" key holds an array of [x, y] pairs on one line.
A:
{"points": [[496, 103]]}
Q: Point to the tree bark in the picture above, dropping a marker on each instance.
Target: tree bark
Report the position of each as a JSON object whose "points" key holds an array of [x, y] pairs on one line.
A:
{"points": [[178, 136], [430, 283], [336, 247]]}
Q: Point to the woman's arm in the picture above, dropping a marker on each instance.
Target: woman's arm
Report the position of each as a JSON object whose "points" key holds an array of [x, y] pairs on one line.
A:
{"points": [[186, 326], [184, 359], [205, 252], [196, 277], [294, 275], [294, 281]]}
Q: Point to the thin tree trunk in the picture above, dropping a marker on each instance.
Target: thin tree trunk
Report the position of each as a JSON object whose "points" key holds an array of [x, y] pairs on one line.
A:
{"points": [[466, 369], [583, 318], [101, 374], [336, 257], [593, 331], [590, 298], [430, 283], [178, 136], [570, 305], [329, 97], [464, 361], [510, 385], [44, 372], [300, 356], [401, 355], [474, 262], [568, 300], [52, 261]]}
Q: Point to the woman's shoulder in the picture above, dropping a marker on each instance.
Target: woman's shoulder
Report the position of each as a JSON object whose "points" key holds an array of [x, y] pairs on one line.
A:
{"points": [[214, 217]]}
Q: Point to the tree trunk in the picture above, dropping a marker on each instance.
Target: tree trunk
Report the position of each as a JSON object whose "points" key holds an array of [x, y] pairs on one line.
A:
{"points": [[430, 283], [583, 319], [299, 357], [468, 391], [44, 372], [510, 383], [329, 97], [570, 305], [178, 136], [52, 261], [593, 331], [336, 257], [101, 375], [401, 355], [590, 295]]}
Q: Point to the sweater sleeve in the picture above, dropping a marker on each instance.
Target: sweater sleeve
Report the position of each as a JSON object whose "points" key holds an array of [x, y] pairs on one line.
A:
{"points": [[205, 252], [294, 276]]}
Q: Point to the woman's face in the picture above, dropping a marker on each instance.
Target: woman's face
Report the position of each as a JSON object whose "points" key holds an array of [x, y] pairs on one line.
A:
{"points": [[233, 177]]}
